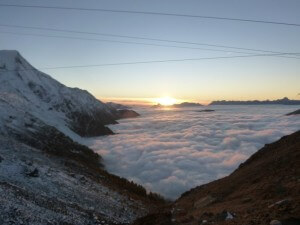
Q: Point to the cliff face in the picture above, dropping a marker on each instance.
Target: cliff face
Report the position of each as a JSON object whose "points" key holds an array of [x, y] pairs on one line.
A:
{"points": [[264, 188]]}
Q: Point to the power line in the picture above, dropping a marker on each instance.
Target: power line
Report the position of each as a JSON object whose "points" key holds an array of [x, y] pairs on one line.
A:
{"points": [[276, 54], [149, 62], [116, 41], [153, 13], [138, 37]]}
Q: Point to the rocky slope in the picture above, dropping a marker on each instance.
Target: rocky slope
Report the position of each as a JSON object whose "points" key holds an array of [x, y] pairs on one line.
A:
{"points": [[45, 176], [61, 182], [263, 190]]}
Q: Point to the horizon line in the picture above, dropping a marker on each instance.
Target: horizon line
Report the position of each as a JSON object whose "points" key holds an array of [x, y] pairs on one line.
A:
{"points": [[153, 100]]}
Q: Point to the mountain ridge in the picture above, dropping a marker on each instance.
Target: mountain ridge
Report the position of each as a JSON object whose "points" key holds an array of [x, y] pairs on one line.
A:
{"points": [[283, 101], [179, 105]]}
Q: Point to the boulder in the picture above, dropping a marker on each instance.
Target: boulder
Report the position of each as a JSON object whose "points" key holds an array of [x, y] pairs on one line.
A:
{"points": [[32, 172], [275, 222]]}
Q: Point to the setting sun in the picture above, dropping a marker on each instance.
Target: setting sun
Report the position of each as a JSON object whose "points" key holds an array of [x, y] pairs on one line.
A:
{"points": [[166, 101]]}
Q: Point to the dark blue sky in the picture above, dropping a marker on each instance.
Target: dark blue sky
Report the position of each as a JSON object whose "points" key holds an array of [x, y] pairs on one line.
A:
{"points": [[247, 78]]}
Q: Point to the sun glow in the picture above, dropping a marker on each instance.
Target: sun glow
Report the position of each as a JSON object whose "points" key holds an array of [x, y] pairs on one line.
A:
{"points": [[166, 101]]}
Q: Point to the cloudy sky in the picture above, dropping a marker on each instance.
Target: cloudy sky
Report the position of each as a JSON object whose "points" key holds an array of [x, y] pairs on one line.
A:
{"points": [[172, 151], [238, 78]]}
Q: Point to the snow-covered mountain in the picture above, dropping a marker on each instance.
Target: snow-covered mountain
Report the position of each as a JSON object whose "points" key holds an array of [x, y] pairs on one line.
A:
{"points": [[24, 90], [46, 177]]}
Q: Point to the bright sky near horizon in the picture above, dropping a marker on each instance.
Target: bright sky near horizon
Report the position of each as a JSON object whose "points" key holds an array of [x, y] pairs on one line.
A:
{"points": [[201, 81]]}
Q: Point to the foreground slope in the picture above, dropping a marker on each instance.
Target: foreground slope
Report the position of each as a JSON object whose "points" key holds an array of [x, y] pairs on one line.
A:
{"points": [[48, 186], [264, 188]]}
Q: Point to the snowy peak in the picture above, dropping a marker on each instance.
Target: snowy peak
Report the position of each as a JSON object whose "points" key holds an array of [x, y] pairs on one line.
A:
{"points": [[10, 59], [70, 110]]}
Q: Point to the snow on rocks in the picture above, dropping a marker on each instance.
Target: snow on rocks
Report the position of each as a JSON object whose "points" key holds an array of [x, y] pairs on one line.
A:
{"points": [[229, 216], [71, 110], [62, 197]]}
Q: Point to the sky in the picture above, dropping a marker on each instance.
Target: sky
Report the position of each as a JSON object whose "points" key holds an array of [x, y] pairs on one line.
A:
{"points": [[198, 81]]}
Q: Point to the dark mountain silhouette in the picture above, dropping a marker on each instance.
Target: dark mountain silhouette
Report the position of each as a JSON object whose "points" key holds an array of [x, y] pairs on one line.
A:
{"points": [[297, 112], [180, 105], [284, 101]]}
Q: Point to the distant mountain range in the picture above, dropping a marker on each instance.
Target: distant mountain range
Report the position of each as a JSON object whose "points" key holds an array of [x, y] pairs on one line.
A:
{"points": [[180, 105], [284, 101]]}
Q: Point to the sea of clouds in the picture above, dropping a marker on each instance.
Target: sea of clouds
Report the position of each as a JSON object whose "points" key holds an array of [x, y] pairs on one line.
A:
{"points": [[172, 151]]}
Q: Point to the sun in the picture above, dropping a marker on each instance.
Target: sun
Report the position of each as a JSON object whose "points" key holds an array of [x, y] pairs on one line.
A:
{"points": [[166, 101]]}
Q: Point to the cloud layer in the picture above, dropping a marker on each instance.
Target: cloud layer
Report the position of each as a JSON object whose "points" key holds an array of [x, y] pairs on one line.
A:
{"points": [[171, 151]]}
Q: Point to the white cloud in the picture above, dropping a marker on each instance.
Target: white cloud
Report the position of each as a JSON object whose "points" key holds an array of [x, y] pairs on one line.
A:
{"points": [[171, 151]]}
